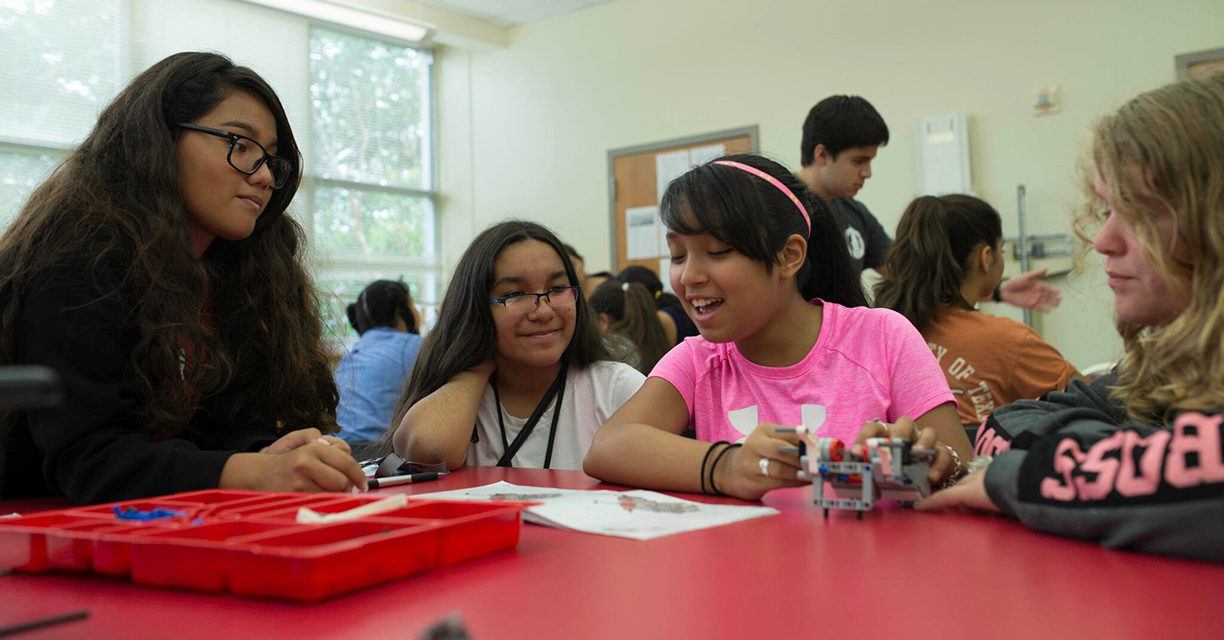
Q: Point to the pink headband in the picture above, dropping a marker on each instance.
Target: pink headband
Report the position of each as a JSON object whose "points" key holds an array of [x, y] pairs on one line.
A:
{"points": [[774, 181]]}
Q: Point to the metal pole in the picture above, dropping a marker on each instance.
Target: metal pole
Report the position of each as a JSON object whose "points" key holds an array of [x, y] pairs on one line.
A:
{"points": [[1024, 244]]}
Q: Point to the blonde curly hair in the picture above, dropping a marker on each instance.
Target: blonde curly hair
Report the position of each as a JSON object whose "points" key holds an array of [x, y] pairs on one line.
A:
{"points": [[1165, 149]]}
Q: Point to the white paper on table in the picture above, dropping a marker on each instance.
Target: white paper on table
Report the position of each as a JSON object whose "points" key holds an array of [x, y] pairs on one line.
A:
{"points": [[640, 515], [668, 167], [702, 155], [642, 232]]}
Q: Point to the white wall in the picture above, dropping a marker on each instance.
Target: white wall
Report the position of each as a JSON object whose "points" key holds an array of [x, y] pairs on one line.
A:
{"points": [[525, 130]]}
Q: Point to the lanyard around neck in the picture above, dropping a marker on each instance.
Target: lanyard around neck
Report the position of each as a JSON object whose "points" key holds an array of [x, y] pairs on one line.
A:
{"points": [[557, 389]]}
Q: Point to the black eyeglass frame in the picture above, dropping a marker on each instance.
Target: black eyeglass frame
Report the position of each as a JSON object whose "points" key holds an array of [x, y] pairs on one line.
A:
{"points": [[277, 182], [554, 290]]}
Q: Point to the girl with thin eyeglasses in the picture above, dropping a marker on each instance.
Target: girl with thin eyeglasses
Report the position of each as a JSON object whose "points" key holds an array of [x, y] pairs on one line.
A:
{"points": [[515, 372]]}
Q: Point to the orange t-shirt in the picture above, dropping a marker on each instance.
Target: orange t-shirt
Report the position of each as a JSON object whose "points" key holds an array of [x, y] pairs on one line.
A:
{"points": [[991, 361]]}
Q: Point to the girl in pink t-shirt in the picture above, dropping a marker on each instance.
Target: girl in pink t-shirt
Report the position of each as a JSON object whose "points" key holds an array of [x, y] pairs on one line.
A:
{"points": [[762, 268]]}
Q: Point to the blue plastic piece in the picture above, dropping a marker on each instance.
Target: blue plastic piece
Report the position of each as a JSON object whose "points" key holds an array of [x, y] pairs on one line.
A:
{"points": [[132, 513]]}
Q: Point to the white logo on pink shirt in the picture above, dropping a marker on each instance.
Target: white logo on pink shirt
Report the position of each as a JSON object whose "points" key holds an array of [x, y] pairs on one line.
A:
{"points": [[745, 420]]}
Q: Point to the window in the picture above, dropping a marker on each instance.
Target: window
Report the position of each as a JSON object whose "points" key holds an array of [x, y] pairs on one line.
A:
{"points": [[361, 108], [370, 166], [61, 67]]}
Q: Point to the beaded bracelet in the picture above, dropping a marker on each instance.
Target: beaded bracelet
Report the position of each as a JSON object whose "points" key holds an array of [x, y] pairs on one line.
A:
{"points": [[706, 459], [714, 467]]}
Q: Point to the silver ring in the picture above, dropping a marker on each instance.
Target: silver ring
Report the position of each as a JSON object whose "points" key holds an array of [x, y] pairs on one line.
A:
{"points": [[764, 465], [884, 427]]}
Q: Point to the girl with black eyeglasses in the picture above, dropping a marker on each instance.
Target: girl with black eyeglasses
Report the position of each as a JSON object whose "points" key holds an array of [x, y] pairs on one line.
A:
{"points": [[514, 372], [157, 273]]}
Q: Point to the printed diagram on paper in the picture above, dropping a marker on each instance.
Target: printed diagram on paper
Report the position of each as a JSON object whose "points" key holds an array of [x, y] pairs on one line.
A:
{"points": [[640, 515]]}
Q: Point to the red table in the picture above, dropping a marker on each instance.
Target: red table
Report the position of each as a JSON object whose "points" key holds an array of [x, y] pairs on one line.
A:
{"points": [[894, 574]]}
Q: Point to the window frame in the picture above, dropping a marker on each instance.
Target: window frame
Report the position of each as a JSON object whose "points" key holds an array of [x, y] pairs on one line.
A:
{"points": [[61, 151], [322, 266], [338, 267]]}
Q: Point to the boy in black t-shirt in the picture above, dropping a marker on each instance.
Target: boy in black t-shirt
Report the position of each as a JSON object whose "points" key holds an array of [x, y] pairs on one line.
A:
{"points": [[841, 136]]}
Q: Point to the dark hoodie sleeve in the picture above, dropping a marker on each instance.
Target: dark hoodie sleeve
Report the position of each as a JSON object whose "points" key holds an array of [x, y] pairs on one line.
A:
{"points": [[92, 447], [1070, 464]]}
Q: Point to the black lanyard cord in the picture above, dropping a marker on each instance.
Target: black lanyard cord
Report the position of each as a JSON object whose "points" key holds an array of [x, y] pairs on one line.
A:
{"points": [[557, 390]]}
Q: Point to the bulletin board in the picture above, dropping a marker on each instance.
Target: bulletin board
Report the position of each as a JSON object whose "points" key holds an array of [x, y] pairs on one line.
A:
{"points": [[1199, 63], [637, 177]]}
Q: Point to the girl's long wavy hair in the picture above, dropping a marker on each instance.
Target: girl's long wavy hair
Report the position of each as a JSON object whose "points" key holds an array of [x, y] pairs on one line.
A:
{"points": [[928, 261], [465, 335], [115, 206], [1164, 150], [755, 218]]}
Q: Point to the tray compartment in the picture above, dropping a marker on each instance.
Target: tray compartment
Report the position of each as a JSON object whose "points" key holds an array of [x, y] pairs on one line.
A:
{"points": [[71, 547], [23, 540], [186, 510], [192, 557], [287, 511], [322, 560], [472, 529], [112, 547]]}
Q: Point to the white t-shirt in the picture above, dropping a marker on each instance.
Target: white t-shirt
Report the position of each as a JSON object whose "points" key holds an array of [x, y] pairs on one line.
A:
{"points": [[592, 395]]}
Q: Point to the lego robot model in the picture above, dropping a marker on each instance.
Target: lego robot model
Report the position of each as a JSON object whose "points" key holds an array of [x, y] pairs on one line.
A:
{"points": [[891, 471]]}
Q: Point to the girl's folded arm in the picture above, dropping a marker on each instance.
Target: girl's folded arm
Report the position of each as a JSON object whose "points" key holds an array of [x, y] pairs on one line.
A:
{"points": [[1055, 484], [641, 445], [438, 427]]}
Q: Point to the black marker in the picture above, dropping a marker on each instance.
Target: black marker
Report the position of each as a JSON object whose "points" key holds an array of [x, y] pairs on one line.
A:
{"points": [[407, 478]]}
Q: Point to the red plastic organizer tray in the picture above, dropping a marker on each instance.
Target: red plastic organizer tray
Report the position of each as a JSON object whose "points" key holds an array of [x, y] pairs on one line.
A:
{"points": [[250, 543]]}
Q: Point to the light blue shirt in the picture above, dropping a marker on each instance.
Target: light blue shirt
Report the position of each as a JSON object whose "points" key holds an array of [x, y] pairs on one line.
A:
{"points": [[370, 378]]}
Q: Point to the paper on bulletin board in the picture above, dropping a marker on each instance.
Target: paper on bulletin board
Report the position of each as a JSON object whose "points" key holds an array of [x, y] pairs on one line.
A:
{"points": [[642, 232], [668, 167], [702, 155]]}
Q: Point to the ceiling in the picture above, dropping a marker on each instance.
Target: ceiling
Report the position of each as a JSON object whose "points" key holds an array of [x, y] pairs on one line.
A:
{"points": [[511, 13]]}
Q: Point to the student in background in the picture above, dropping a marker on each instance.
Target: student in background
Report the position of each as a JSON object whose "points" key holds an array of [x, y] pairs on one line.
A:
{"points": [[592, 282], [515, 372], [738, 234], [948, 255], [627, 311], [676, 323], [841, 137], [579, 265], [1134, 459], [157, 272], [588, 282], [372, 374]]}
